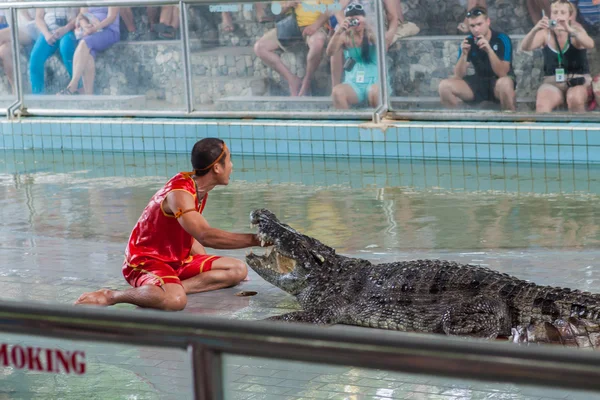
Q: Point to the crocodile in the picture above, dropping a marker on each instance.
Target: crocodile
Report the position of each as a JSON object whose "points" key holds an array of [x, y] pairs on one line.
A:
{"points": [[429, 296]]}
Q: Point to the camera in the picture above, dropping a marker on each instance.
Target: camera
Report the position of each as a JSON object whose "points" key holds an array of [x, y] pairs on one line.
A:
{"points": [[354, 22], [349, 64], [576, 81], [553, 23]]}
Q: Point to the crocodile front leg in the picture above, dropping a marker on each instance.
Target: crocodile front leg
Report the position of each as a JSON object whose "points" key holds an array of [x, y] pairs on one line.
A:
{"points": [[481, 316]]}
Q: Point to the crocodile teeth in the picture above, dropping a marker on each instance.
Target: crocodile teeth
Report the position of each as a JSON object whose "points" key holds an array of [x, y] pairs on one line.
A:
{"points": [[262, 242], [249, 253]]}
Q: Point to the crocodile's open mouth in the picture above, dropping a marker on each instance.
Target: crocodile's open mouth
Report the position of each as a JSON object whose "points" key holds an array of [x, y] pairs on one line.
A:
{"points": [[275, 258]]}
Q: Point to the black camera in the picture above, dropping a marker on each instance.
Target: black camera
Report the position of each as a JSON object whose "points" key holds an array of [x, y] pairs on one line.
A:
{"points": [[349, 64], [576, 81], [354, 22]]}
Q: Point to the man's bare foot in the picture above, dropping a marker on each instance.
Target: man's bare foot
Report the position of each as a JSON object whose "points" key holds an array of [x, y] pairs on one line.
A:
{"points": [[102, 297], [295, 85]]}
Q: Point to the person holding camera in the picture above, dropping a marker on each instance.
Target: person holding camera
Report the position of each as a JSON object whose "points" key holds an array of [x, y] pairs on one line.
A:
{"points": [[490, 54], [357, 41], [564, 44]]}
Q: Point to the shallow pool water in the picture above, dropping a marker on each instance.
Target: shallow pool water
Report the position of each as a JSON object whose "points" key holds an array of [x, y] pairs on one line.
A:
{"points": [[66, 217]]}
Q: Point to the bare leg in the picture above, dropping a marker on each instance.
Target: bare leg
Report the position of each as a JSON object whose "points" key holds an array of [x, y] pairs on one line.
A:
{"points": [[265, 50], [374, 95], [261, 14], [227, 22], [344, 96], [225, 272], [166, 13], [170, 297], [505, 92], [315, 52], [337, 68], [577, 98], [6, 60], [88, 76], [175, 17], [548, 98], [454, 91], [80, 62], [127, 16]]}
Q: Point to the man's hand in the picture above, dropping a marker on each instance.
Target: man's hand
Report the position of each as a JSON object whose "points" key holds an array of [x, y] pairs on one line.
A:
{"points": [[466, 47], [483, 44]]}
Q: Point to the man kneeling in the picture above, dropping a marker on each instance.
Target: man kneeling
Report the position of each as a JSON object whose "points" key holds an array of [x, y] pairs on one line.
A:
{"points": [[490, 53], [165, 258]]}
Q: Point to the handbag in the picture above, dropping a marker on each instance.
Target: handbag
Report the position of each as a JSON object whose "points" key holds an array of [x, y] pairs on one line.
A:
{"points": [[288, 30]]}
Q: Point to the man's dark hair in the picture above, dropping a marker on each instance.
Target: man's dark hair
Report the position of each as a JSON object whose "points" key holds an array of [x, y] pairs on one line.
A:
{"points": [[204, 154]]}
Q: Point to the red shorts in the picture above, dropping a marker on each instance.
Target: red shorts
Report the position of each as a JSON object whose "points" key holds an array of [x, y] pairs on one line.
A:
{"points": [[155, 272]]}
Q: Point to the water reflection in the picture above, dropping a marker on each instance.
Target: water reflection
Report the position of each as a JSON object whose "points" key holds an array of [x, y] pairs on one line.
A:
{"points": [[89, 202]]}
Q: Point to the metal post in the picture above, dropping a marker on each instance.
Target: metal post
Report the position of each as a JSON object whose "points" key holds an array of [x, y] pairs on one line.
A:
{"points": [[381, 52], [185, 46], [14, 36], [207, 372]]}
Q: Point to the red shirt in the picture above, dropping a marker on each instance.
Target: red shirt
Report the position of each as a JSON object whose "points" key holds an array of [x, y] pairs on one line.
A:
{"points": [[158, 235]]}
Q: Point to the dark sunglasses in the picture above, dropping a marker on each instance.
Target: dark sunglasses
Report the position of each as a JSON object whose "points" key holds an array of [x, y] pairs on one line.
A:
{"points": [[475, 13], [357, 7]]}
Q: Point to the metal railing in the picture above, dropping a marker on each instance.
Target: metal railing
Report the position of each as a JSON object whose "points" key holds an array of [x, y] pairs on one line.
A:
{"points": [[207, 339], [19, 107]]}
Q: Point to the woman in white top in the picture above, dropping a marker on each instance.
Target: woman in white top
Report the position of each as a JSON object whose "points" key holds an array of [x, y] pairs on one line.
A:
{"points": [[56, 27], [27, 34]]}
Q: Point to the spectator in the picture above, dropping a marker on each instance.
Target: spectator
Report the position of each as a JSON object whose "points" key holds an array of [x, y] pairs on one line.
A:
{"points": [[396, 28], [311, 25], [463, 27], [97, 36], [587, 13], [537, 9], [566, 70], [357, 40], [131, 31], [28, 33], [56, 33], [168, 22], [490, 53]]}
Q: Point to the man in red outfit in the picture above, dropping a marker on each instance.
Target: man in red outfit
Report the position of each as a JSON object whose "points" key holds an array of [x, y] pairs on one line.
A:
{"points": [[165, 258]]}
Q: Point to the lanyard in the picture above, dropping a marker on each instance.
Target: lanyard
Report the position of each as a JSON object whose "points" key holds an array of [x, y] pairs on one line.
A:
{"points": [[560, 54]]}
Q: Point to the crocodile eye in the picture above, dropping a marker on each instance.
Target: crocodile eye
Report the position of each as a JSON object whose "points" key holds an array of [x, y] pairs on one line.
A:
{"points": [[318, 257]]}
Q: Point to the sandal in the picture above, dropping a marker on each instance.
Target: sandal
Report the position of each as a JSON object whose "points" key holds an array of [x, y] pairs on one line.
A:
{"points": [[66, 92], [168, 33]]}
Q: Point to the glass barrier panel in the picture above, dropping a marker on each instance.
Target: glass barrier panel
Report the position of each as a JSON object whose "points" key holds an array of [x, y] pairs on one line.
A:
{"points": [[441, 61], [7, 76], [75, 61], [264, 378], [34, 367], [265, 56]]}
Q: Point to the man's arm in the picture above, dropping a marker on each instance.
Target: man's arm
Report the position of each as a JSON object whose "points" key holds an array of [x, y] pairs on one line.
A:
{"points": [[500, 66], [460, 69], [196, 225]]}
